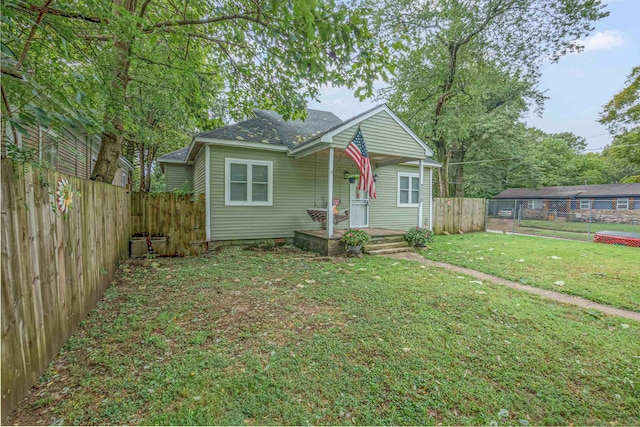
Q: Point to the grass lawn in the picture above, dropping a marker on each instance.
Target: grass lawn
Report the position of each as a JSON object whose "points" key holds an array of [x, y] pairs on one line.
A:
{"points": [[243, 337], [609, 274], [578, 227]]}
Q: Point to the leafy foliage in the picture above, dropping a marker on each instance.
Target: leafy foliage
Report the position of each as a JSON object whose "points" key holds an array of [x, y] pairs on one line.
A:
{"points": [[144, 73], [622, 117], [469, 61]]}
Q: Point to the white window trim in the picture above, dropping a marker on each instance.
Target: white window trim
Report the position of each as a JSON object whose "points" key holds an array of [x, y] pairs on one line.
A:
{"points": [[409, 175], [618, 204], [531, 204], [227, 184], [582, 204]]}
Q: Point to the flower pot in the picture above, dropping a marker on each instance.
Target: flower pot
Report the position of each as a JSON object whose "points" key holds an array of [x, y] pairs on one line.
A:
{"points": [[354, 249], [352, 180], [420, 245]]}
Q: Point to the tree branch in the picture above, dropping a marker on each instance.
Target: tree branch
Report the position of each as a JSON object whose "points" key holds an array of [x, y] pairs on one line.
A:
{"points": [[11, 72], [56, 12], [143, 9], [32, 34], [5, 100], [244, 16]]}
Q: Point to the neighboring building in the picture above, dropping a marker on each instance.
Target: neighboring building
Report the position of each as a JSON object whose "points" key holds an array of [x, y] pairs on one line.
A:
{"points": [[261, 176], [68, 151], [604, 202]]}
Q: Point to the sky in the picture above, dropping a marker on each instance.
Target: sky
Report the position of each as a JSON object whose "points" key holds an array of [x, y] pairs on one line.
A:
{"points": [[577, 86]]}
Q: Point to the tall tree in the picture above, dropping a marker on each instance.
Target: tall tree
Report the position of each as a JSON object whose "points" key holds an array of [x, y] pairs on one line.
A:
{"points": [[448, 37], [269, 54], [622, 117]]}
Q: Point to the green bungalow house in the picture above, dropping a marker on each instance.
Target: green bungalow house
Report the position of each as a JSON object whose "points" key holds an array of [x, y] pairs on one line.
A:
{"points": [[266, 178]]}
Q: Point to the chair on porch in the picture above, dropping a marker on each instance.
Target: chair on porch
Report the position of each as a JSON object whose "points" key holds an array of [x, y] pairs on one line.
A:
{"points": [[320, 215]]}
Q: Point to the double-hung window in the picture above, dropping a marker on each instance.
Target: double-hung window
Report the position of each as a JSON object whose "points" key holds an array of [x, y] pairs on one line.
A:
{"points": [[622, 204], [248, 182], [585, 204], [408, 189]]}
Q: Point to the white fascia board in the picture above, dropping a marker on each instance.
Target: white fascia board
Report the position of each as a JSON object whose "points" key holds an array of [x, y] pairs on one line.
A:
{"points": [[126, 165], [182, 162], [243, 144], [429, 163]]}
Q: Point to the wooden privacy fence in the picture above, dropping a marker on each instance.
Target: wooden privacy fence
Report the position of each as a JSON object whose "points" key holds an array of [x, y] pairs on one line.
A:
{"points": [[454, 214], [178, 218], [54, 270]]}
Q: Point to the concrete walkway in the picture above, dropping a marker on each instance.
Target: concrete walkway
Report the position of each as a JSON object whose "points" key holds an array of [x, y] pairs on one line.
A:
{"points": [[556, 296]]}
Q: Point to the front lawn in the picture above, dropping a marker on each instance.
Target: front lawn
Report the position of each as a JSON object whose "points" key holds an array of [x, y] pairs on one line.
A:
{"points": [[578, 227], [608, 274], [243, 337]]}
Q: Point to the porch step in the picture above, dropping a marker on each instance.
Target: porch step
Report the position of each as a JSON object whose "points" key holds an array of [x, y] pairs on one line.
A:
{"points": [[384, 246], [385, 239], [388, 251]]}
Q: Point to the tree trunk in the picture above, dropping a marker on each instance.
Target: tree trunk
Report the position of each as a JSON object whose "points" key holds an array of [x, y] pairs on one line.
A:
{"points": [[459, 168], [111, 142], [443, 173], [142, 165]]}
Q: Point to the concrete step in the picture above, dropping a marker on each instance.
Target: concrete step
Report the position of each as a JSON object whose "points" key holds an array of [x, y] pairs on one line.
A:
{"points": [[388, 251], [386, 245], [386, 239]]}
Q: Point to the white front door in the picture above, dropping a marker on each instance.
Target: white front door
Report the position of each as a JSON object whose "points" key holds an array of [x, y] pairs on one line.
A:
{"points": [[358, 207]]}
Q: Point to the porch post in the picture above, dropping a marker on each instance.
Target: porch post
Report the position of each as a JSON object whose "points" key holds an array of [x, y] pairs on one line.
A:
{"points": [[421, 199], [330, 196], [431, 198]]}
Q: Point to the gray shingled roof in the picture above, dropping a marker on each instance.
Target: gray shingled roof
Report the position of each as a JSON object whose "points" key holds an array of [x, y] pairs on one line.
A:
{"points": [[175, 155], [269, 127], [572, 192]]}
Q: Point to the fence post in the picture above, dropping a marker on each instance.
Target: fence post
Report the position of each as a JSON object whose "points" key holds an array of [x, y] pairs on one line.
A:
{"points": [[515, 209], [589, 220], [486, 213]]}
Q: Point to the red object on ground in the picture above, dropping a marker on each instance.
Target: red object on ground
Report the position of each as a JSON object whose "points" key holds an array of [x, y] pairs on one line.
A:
{"points": [[617, 238]]}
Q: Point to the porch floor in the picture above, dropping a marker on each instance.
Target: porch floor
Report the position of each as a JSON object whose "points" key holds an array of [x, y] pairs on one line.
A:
{"points": [[317, 240], [337, 233]]}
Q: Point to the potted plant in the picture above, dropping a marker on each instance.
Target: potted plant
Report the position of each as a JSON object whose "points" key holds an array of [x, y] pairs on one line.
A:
{"points": [[354, 239], [419, 236], [351, 176]]}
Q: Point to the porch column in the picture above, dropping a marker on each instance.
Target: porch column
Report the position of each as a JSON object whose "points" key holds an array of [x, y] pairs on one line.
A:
{"points": [[421, 199], [330, 196]]}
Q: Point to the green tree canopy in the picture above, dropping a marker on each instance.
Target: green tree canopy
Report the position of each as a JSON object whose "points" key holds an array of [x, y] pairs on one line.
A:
{"points": [[452, 45], [116, 64], [622, 117]]}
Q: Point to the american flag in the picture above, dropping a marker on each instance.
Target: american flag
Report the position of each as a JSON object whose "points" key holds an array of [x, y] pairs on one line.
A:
{"points": [[357, 150]]}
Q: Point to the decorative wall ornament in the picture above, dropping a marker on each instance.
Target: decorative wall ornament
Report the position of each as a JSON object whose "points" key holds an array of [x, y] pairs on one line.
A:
{"points": [[64, 195]]}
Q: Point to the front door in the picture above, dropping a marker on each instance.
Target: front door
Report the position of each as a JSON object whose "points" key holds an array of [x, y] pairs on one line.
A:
{"points": [[358, 207]]}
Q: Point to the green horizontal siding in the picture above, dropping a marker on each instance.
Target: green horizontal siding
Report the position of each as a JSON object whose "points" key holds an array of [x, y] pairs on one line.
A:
{"points": [[178, 177], [298, 185], [384, 210], [383, 135], [198, 173]]}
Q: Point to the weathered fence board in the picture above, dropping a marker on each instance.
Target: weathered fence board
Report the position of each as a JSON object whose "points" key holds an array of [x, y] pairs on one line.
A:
{"points": [[54, 270], [179, 218], [454, 214]]}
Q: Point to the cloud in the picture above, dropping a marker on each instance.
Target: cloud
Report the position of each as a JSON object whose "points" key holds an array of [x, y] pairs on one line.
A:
{"points": [[602, 40]]}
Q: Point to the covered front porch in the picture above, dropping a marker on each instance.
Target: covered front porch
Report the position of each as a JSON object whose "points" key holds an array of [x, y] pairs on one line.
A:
{"points": [[318, 241], [400, 166]]}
